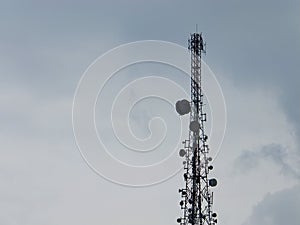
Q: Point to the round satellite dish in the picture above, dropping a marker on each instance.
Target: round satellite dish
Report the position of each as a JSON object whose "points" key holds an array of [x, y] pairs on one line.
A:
{"points": [[213, 182], [183, 107], [194, 126], [182, 152]]}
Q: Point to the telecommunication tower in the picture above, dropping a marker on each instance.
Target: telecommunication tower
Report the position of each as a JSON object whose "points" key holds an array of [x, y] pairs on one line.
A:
{"points": [[197, 198]]}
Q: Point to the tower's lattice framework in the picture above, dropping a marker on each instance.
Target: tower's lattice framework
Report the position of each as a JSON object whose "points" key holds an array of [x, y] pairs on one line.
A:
{"points": [[197, 199]]}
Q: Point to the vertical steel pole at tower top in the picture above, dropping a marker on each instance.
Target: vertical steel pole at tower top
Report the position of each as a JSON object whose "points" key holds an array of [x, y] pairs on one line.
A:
{"points": [[197, 198]]}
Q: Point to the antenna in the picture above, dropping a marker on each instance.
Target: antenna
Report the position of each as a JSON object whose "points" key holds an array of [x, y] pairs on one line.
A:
{"points": [[197, 198]]}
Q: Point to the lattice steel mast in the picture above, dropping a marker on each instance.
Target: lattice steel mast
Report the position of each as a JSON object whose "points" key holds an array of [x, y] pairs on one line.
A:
{"points": [[197, 198]]}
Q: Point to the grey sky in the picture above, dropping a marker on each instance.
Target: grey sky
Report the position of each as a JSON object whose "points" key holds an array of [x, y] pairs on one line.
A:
{"points": [[252, 46]]}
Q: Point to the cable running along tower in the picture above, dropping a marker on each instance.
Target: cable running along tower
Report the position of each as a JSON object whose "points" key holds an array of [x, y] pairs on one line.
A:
{"points": [[197, 198]]}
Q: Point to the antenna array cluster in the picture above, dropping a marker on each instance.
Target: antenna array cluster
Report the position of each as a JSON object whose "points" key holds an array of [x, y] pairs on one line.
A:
{"points": [[197, 198]]}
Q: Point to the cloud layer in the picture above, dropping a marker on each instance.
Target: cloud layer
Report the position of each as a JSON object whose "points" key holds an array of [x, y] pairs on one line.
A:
{"points": [[253, 47]]}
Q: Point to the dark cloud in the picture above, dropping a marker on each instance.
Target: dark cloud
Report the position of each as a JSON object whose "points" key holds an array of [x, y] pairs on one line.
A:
{"points": [[249, 160], [277, 209]]}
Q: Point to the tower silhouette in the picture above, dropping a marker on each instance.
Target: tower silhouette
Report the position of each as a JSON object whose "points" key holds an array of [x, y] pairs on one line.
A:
{"points": [[197, 198]]}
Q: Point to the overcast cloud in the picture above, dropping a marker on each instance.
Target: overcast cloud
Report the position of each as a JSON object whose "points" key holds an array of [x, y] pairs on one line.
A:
{"points": [[45, 46]]}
